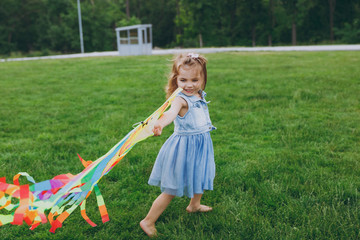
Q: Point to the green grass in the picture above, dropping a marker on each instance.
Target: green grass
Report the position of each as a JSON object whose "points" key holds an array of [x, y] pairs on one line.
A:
{"points": [[287, 147]]}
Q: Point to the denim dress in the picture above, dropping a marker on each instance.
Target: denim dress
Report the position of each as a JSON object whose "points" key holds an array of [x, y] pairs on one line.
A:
{"points": [[185, 163]]}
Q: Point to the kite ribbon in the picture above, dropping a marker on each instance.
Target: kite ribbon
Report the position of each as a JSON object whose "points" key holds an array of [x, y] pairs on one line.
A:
{"points": [[64, 193]]}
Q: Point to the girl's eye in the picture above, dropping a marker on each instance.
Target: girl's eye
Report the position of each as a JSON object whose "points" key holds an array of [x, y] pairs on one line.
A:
{"points": [[182, 80], [195, 80]]}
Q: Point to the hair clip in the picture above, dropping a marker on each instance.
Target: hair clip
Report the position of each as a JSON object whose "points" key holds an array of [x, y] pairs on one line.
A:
{"points": [[193, 55]]}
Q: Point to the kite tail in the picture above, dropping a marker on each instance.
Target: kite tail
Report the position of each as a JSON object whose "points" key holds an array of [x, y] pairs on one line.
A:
{"points": [[64, 193], [24, 209], [75, 193], [30, 199]]}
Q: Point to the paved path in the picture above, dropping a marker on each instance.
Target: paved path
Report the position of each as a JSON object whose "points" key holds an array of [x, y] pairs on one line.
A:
{"points": [[355, 47]]}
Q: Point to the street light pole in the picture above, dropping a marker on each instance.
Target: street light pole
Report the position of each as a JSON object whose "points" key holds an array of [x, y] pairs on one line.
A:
{"points": [[80, 27]]}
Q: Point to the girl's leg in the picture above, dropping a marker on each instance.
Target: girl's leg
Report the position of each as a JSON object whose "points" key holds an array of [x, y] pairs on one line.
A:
{"points": [[195, 205], [157, 208]]}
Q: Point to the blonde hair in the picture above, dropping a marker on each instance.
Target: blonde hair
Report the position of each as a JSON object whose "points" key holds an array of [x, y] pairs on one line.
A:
{"points": [[185, 59]]}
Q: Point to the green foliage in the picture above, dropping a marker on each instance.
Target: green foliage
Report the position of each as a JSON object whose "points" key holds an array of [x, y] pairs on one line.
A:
{"points": [[286, 148], [28, 26], [128, 22], [350, 33], [46, 24], [161, 15]]}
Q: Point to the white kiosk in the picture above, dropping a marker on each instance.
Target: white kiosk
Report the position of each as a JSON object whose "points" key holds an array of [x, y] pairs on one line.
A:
{"points": [[134, 40]]}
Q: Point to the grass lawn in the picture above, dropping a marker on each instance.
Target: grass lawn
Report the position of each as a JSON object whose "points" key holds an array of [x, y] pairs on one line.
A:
{"points": [[287, 147]]}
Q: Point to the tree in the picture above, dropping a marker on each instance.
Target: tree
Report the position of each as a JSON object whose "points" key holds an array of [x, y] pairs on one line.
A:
{"points": [[18, 25], [254, 15], [161, 14], [127, 9], [291, 7], [196, 20], [297, 11], [332, 4], [43, 25], [271, 21]]}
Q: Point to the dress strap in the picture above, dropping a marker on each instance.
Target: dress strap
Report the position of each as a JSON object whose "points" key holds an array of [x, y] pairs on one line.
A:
{"points": [[186, 98]]}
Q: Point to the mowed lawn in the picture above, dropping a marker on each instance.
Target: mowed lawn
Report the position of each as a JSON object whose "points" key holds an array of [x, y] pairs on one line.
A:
{"points": [[287, 147]]}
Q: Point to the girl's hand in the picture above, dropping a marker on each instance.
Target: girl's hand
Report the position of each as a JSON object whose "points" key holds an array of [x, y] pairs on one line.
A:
{"points": [[157, 129], [169, 116]]}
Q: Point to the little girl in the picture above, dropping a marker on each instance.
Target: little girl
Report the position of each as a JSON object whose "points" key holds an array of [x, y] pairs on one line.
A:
{"points": [[185, 164]]}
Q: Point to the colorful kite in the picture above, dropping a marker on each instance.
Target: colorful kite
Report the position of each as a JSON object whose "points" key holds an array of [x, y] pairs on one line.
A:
{"points": [[64, 193]]}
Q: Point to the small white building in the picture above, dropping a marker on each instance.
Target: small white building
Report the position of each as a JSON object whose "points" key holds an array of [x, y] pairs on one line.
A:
{"points": [[134, 40]]}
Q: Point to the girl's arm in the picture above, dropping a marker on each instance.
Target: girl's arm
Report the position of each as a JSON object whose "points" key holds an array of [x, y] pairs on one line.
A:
{"points": [[169, 116]]}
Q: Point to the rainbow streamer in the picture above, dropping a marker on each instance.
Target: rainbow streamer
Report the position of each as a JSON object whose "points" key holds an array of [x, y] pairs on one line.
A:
{"points": [[64, 193]]}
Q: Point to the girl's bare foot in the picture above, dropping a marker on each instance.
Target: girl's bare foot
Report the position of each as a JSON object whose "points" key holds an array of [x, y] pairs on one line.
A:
{"points": [[200, 208], [150, 230]]}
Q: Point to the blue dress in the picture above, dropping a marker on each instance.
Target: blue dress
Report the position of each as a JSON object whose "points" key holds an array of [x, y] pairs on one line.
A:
{"points": [[185, 164]]}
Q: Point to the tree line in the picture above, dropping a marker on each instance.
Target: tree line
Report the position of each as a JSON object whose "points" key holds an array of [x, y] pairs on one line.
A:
{"points": [[52, 25]]}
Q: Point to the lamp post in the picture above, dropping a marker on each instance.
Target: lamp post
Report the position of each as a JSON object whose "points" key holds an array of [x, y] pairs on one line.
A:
{"points": [[80, 27]]}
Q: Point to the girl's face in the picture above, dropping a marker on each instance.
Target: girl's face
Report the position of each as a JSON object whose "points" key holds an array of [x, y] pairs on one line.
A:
{"points": [[190, 79]]}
